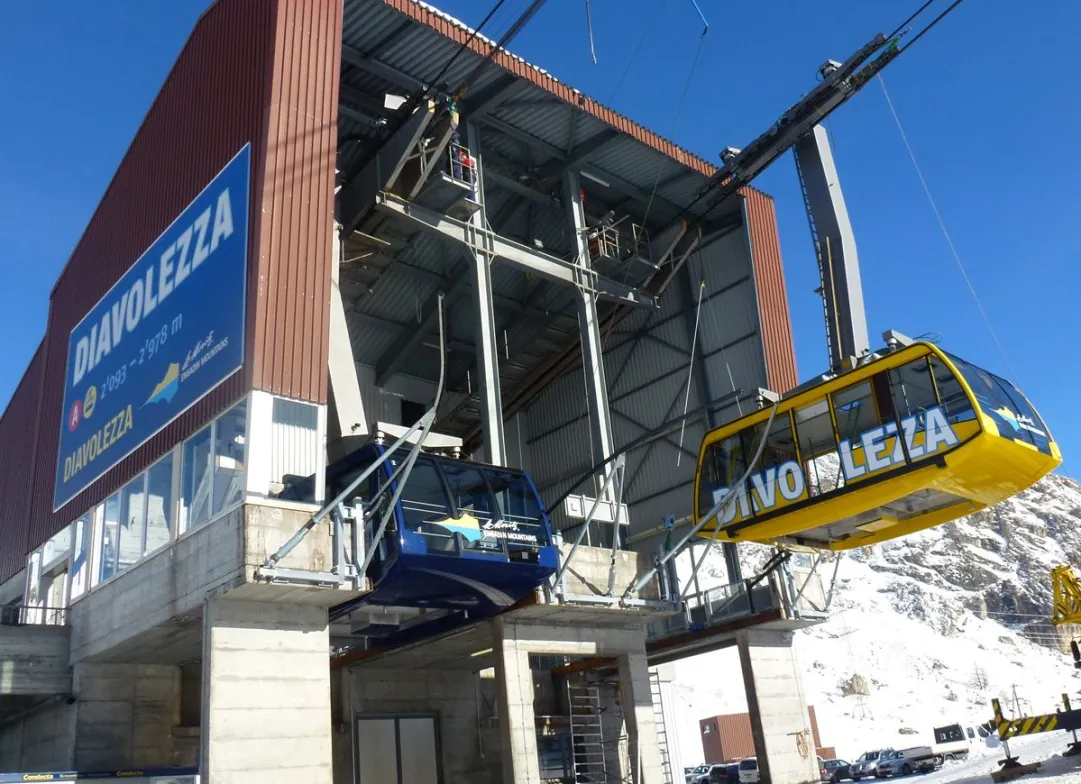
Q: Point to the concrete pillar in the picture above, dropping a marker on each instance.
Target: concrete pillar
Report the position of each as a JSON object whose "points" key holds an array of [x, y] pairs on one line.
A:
{"points": [[779, 720], [517, 722], [266, 693], [124, 715], [645, 754]]}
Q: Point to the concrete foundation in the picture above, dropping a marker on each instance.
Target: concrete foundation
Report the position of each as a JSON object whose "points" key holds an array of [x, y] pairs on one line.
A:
{"points": [[124, 716], [779, 720], [266, 693], [35, 660]]}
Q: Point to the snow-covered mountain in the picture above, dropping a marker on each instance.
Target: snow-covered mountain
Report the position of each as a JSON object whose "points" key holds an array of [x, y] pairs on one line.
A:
{"points": [[935, 624]]}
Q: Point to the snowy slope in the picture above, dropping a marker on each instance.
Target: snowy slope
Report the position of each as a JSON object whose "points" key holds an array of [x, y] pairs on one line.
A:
{"points": [[935, 624]]}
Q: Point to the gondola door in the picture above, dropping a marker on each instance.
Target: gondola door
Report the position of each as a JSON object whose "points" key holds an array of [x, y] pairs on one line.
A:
{"points": [[397, 750]]}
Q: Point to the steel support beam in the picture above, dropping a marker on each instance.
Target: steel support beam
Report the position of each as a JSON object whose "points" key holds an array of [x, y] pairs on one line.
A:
{"points": [[358, 195], [482, 243], [344, 384], [480, 103], [600, 417], [516, 253], [841, 287]]}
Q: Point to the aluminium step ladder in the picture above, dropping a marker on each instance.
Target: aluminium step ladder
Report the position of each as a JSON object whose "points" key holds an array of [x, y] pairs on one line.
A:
{"points": [[661, 726], [587, 735]]}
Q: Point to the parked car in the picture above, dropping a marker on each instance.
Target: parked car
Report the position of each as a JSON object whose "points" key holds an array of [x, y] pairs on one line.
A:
{"points": [[867, 765], [725, 773], [895, 764], [748, 771], [905, 761], [838, 770], [692, 775], [823, 774]]}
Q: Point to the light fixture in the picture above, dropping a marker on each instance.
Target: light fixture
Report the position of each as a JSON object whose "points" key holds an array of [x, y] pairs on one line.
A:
{"points": [[480, 653]]}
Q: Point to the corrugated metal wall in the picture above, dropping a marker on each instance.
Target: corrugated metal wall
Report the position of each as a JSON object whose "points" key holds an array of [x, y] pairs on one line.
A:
{"points": [[646, 367], [265, 73], [761, 220], [17, 428], [291, 325]]}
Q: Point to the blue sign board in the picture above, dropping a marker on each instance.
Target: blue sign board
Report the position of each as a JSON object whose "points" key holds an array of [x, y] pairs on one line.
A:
{"points": [[168, 332]]}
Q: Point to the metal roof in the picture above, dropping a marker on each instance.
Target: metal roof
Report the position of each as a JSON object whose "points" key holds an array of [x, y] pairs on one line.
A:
{"points": [[532, 127]]}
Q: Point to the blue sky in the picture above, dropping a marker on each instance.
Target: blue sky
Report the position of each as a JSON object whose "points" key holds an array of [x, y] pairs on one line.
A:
{"points": [[987, 99]]}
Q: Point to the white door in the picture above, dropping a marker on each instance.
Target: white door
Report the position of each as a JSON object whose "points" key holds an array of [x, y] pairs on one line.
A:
{"points": [[397, 750]]}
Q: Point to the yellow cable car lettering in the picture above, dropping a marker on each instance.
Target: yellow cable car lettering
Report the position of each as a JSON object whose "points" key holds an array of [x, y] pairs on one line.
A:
{"points": [[937, 434]]}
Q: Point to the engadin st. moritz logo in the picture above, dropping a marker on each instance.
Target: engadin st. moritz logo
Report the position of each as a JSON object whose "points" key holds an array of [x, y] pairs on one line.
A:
{"points": [[1017, 422]]}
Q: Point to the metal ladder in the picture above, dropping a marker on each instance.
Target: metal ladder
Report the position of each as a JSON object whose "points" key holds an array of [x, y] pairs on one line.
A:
{"points": [[587, 735], [661, 727], [820, 257]]}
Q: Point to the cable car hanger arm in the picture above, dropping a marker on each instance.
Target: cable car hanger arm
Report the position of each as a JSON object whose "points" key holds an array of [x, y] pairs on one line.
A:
{"points": [[839, 83]]}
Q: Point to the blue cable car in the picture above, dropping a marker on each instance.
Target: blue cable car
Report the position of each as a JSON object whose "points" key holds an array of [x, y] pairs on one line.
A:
{"points": [[463, 536]]}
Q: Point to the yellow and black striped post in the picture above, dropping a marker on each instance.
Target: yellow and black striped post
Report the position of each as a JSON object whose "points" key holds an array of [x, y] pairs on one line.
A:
{"points": [[1026, 725]]}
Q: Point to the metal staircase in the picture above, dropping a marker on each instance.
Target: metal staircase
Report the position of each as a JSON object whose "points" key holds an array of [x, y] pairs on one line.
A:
{"points": [[587, 736], [661, 727]]}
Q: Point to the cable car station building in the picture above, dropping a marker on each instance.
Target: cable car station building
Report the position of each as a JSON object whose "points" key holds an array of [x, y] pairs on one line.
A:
{"points": [[220, 547]]}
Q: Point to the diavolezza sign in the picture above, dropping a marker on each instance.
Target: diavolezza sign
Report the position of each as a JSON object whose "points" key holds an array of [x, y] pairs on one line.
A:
{"points": [[168, 332]]}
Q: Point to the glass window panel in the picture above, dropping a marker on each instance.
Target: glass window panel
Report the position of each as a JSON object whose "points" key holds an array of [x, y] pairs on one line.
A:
{"points": [[818, 447], [132, 522], [56, 548], [196, 480], [854, 408], [912, 388], [780, 445], [518, 504], [109, 539], [815, 429], [424, 506], [80, 568], [474, 507], [723, 464], [952, 395], [1004, 403], [159, 506], [229, 443]]}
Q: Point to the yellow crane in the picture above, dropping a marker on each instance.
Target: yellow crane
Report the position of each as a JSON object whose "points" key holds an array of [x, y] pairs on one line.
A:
{"points": [[1066, 590]]}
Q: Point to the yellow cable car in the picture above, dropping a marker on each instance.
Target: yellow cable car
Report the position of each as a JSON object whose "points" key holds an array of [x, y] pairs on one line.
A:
{"points": [[911, 439]]}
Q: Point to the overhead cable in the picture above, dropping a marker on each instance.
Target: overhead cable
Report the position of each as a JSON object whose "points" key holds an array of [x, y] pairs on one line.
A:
{"points": [[942, 225]]}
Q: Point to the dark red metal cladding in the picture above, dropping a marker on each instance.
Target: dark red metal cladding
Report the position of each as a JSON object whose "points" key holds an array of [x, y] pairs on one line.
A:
{"points": [[769, 282], [17, 427], [250, 72], [291, 327]]}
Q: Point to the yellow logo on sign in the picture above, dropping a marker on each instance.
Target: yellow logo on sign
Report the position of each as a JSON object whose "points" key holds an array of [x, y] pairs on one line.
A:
{"points": [[90, 401]]}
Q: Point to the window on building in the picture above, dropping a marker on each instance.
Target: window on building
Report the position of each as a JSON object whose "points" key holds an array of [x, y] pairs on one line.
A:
{"points": [[229, 451], [110, 531], [197, 481], [80, 566], [159, 504], [132, 522]]}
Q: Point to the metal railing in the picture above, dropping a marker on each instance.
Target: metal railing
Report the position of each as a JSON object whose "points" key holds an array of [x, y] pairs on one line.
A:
{"points": [[26, 615]]}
